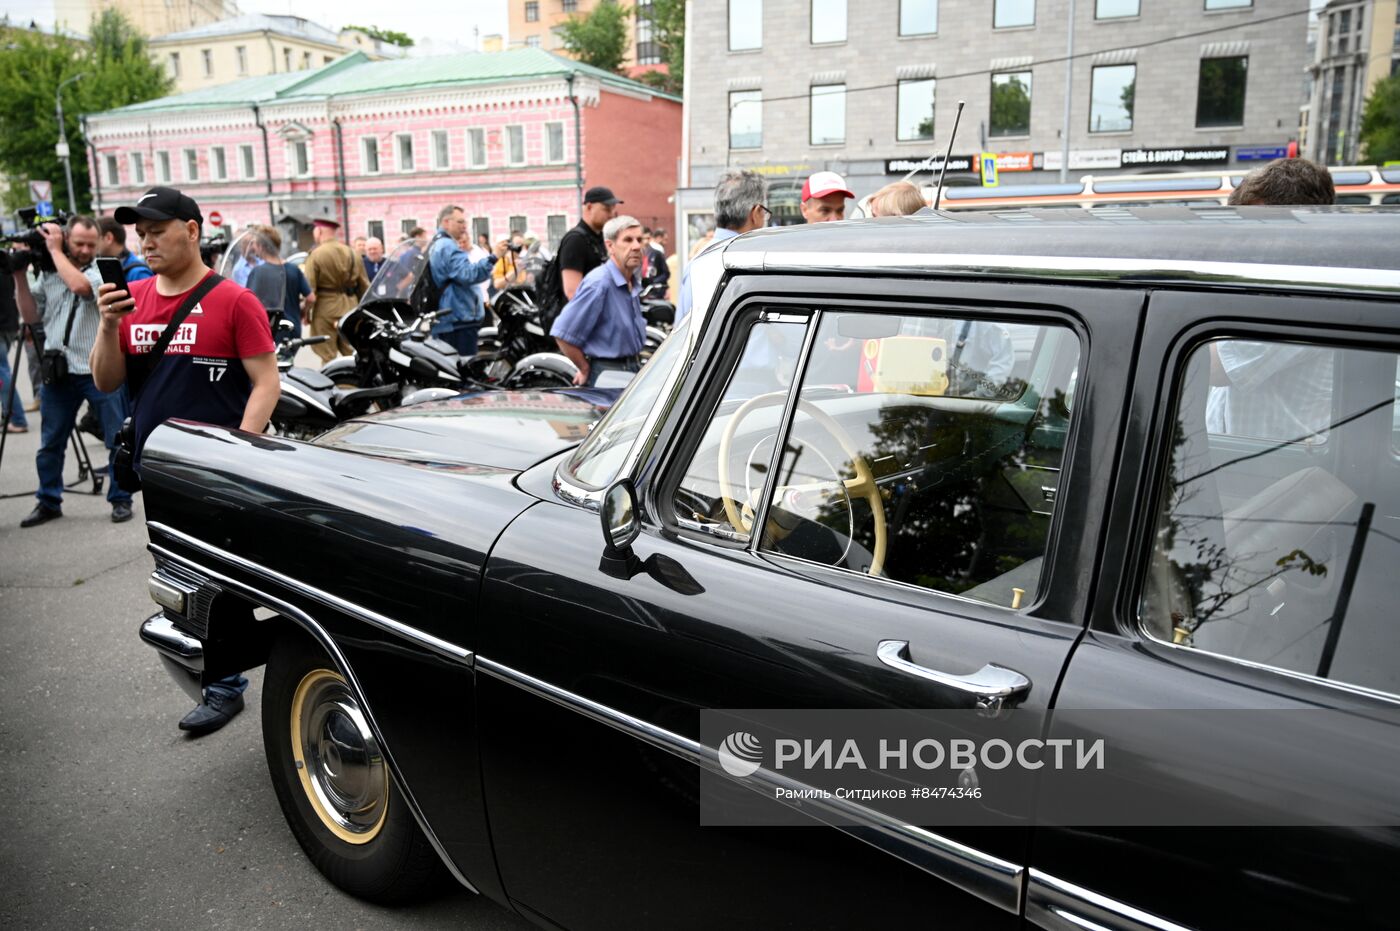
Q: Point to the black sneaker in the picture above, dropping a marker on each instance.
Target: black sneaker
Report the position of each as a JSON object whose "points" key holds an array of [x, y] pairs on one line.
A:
{"points": [[121, 512], [41, 514], [89, 423], [216, 711]]}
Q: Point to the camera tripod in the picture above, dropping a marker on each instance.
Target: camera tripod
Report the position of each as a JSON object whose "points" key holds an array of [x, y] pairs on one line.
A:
{"points": [[86, 473]]}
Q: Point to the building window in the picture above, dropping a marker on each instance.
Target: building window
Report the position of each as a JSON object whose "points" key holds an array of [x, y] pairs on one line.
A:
{"points": [[532, 41], [369, 155], [918, 17], [1008, 13], [481, 226], [245, 162], [1011, 104], [327, 59], [138, 168], [191, 165], [570, 6], [556, 225], [648, 52], [407, 224], [1114, 9], [174, 64], [518, 225], [554, 136], [476, 148], [746, 119], [375, 229], [556, 38], [242, 53], [1228, 4], [110, 163], [1111, 95], [515, 140], [442, 157], [404, 142], [218, 163], [1220, 91], [828, 21], [305, 60], [532, 11], [745, 24], [163, 167], [828, 114], [207, 57], [914, 112], [301, 159], [286, 59]]}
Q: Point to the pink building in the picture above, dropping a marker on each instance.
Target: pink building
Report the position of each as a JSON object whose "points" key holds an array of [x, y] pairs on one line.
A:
{"points": [[513, 138]]}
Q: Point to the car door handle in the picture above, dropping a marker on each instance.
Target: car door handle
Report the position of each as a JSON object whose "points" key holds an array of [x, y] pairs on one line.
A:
{"points": [[990, 687]]}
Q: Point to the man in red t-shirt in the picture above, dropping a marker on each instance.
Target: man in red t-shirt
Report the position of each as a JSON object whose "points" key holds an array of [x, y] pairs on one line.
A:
{"points": [[219, 368]]}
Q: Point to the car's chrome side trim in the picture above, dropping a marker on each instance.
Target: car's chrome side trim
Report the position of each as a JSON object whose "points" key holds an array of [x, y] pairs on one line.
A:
{"points": [[373, 618], [996, 881], [1073, 268], [1057, 905], [309, 624]]}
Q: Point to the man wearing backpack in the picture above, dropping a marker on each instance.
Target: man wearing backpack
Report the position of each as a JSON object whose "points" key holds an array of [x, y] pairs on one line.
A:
{"points": [[112, 244], [580, 251], [457, 278]]}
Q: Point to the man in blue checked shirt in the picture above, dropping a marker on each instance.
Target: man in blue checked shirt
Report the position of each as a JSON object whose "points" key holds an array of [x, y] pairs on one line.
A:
{"points": [[602, 328], [458, 278]]}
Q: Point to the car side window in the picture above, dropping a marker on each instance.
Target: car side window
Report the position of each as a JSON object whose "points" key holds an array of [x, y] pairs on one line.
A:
{"points": [[1270, 390], [1279, 550], [924, 449]]}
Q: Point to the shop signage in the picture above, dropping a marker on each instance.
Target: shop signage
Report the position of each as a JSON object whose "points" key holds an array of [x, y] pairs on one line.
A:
{"points": [[1084, 158], [1138, 158], [1260, 153], [902, 166], [1015, 161]]}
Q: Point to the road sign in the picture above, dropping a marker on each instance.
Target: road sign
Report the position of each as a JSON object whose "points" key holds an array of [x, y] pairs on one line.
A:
{"points": [[989, 169], [40, 191], [44, 208], [216, 218]]}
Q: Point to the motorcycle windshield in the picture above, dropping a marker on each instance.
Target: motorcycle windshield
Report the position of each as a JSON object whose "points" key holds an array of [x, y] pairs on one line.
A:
{"points": [[400, 272], [254, 260]]}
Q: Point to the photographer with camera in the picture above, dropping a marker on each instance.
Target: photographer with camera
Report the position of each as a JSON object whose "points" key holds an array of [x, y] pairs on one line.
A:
{"points": [[65, 301], [191, 344], [510, 269]]}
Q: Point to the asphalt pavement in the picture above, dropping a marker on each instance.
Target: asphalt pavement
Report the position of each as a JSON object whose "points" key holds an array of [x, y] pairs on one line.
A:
{"points": [[114, 818]]}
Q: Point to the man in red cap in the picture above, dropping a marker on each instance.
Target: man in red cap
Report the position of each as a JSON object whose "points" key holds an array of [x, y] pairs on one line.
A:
{"points": [[338, 281], [824, 197]]}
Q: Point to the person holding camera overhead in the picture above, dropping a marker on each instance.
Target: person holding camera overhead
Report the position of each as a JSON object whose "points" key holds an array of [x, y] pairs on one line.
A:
{"points": [[65, 300]]}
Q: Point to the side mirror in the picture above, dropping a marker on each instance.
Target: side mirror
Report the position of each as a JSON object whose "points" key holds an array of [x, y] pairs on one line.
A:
{"points": [[619, 516]]}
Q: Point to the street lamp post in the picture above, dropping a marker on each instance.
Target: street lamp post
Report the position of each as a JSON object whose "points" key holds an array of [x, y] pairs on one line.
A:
{"points": [[62, 147]]}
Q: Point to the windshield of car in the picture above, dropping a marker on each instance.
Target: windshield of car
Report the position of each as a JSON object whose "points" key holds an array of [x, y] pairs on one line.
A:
{"points": [[597, 461]]}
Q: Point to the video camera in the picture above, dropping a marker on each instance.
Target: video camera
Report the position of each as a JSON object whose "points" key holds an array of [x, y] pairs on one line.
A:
{"points": [[17, 260], [212, 249]]}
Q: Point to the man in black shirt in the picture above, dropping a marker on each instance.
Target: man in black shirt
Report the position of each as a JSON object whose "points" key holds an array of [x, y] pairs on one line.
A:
{"points": [[582, 249]]}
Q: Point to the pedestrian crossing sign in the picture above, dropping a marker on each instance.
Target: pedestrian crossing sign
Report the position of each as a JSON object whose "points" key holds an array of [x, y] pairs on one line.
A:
{"points": [[989, 169]]}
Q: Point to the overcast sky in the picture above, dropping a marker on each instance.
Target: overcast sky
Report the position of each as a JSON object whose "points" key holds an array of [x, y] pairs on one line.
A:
{"points": [[439, 19]]}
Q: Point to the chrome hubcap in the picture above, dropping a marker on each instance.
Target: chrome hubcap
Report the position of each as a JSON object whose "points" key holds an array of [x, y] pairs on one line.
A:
{"points": [[338, 760]]}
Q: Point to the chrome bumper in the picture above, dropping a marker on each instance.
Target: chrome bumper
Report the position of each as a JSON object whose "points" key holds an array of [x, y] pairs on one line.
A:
{"points": [[181, 654]]}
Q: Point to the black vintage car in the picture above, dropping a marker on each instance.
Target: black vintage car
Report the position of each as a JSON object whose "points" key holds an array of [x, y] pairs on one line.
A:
{"points": [[1137, 459]]}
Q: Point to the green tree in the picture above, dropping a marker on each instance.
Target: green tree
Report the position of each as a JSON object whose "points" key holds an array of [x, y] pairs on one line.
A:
{"points": [[117, 70], [1011, 106], [1380, 123], [598, 39], [392, 36], [668, 32]]}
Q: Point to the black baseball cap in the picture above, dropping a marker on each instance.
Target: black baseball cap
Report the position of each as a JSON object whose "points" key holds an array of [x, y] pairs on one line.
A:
{"points": [[600, 195], [160, 203]]}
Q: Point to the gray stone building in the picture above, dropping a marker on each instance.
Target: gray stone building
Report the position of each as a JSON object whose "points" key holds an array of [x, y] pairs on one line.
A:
{"points": [[1358, 44], [870, 89]]}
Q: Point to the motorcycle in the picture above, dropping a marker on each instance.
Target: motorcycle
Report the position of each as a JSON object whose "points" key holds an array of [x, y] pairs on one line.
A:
{"points": [[660, 315], [518, 352], [309, 403]]}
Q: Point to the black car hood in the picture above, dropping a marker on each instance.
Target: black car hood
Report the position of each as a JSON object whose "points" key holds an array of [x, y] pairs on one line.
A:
{"points": [[502, 429]]}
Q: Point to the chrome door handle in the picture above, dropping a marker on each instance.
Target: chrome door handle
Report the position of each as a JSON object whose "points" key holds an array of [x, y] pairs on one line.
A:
{"points": [[990, 687]]}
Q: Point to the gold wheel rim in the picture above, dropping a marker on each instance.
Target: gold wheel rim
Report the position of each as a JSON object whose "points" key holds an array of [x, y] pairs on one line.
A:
{"points": [[337, 758]]}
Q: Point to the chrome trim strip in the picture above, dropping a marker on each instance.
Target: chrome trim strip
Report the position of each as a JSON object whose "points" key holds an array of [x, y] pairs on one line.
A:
{"points": [[306, 622], [991, 879], [1058, 905], [576, 494], [374, 619], [1373, 280]]}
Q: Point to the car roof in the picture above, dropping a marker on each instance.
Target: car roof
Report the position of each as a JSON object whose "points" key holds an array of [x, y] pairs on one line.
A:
{"points": [[1347, 248]]}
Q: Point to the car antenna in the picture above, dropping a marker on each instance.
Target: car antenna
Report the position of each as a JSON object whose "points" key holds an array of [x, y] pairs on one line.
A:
{"points": [[938, 193]]}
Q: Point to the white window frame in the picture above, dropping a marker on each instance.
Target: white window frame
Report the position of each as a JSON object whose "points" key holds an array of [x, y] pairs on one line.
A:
{"points": [[812, 25], [172, 61], [136, 164], [111, 169], [364, 155], [563, 143], [471, 149], [406, 224], [292, 158], [398, 153], [247, 162], [433, 136], [524, 148], [214, 174], [241, 54], [164, 173], [186, 154], [206, 59]]}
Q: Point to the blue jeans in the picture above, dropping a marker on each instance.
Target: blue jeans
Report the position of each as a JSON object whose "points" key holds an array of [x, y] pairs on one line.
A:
{"points": [[7, 343], [58, 409], [229, 686], [597, 367], [463, 339]]}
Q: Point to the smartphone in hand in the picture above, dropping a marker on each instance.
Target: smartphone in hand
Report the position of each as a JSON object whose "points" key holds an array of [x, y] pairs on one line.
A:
{"points": [[111, 271]]}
